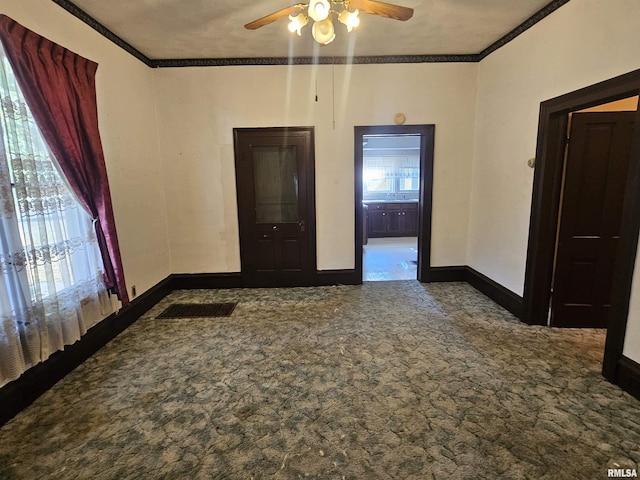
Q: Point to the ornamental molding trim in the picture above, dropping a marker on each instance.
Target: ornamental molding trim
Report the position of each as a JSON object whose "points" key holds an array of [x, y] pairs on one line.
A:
{"points": [[70, 7]]}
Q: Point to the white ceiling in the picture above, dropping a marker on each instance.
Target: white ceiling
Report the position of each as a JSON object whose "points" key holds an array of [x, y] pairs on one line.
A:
{"points": [[196, 29]]}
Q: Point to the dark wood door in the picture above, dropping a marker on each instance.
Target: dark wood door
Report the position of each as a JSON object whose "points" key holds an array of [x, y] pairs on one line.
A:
{"points": [[276, 205], [590, 217]]}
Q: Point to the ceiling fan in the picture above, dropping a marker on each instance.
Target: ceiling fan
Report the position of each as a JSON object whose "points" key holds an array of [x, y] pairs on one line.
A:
{"points": [[321, 11]]}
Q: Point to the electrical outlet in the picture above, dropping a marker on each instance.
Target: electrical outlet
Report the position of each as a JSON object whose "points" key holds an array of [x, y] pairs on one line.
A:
{"points": [[133, 291]]}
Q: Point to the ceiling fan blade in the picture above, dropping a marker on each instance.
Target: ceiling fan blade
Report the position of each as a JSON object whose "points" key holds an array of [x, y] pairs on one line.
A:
{"points": [[395, 12], [272, 17]]}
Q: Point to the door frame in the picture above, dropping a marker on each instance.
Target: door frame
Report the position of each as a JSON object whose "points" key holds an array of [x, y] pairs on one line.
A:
{"points": [[550, 149], [308, 134], [425, 200]]}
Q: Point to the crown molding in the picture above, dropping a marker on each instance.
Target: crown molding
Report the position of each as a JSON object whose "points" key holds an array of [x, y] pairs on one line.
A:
{"points": [[228, 62], [526, 25], [102, 30], [361, 60]]}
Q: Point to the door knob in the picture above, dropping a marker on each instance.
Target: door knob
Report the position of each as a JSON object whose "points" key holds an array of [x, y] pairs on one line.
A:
{"points": [[302, 227], [275, 227]]}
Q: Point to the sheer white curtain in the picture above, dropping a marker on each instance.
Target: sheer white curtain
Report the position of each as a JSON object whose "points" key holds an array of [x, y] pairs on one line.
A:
{"points": [[51, 274]]}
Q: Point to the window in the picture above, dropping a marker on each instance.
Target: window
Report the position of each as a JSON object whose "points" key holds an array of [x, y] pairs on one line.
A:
{"points": [[391, 167], [391, 175], [51, 275], [54, 229]]}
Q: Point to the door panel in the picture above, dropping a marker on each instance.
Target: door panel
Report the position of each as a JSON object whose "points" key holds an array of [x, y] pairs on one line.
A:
{"points": [[275, 178], [590, 215], [410, 220], [265, 258], [276, 206], [394, 224], [291, 254]]}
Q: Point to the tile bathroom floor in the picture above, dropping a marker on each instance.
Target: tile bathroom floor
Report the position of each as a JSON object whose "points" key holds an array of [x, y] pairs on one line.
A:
{"points": [[391, 258]]}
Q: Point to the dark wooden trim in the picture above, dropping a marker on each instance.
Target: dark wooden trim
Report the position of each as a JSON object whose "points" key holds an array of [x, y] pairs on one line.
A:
{"points": [[628, 376], [492, 289], [427, 138], [526, 25], [496, 292], [104, 31], [547, 184], [194, 281], [462, 273], [625, 263], [140, 305], [338, 277], [358, 133], [70, 7], [329, 60], [425, 204], [545, 206], [19, 394], [456, 273]]}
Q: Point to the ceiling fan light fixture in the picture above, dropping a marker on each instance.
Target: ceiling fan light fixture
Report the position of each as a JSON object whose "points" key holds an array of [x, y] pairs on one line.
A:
{"points": [[349, 18], [319, 10], [297, 22], [323, 31]]}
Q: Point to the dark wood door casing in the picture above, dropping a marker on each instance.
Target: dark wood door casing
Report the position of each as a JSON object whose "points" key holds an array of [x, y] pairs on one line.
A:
{"points": [[279, 251], [425, 201], [590, 217], [552, 128]]}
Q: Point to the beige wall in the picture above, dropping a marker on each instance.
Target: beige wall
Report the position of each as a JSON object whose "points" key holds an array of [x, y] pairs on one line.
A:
{"points": [[631, 347], [582, 43], [199, 107], [574, 47], [128, 128]]}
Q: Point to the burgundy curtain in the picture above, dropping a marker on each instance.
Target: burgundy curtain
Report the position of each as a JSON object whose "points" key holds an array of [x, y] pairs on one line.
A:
{"points": [[59, 87]]}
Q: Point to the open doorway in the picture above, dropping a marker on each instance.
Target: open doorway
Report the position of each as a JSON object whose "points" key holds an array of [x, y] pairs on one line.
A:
{"points": [[554, 114], [394, 182], [390, 194]]}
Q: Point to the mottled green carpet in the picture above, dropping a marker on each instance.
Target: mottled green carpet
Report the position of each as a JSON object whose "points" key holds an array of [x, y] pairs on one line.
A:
{"points": [[389, 380]]}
